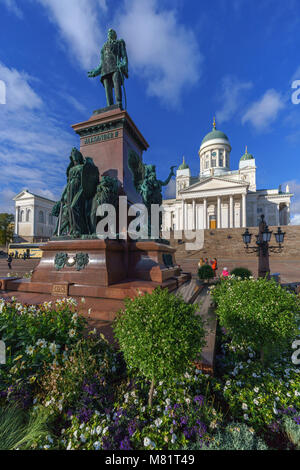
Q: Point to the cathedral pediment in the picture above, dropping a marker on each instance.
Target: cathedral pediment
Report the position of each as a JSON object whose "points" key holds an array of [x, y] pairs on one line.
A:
{"points": [[215, 183]]}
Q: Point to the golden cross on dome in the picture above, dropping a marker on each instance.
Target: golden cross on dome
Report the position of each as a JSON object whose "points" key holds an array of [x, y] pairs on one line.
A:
{"points": [[214, 123]]}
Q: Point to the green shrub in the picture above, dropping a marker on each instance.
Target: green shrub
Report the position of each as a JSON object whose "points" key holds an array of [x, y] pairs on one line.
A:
{"points": [[205, 272], [292, 430], [235, 436], [244, 273], [159, 335], [258, 313]]}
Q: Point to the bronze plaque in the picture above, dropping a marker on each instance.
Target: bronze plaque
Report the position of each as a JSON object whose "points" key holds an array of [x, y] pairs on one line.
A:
{"points": [[60, 289]]}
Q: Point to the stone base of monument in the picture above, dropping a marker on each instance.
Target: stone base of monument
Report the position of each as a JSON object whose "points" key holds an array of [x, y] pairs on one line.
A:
{"points": [[104, 272]]}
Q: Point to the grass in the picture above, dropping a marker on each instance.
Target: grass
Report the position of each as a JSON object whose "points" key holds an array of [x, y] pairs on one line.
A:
{"points": [[19, 430]]}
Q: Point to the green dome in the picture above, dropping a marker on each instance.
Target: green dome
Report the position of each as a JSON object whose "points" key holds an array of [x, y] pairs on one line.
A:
{"points": [[214, 134], [183, 166], [247, 156]]}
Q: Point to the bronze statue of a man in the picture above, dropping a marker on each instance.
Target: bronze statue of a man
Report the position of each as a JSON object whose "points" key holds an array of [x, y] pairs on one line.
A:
{"points": [[113, 67]]}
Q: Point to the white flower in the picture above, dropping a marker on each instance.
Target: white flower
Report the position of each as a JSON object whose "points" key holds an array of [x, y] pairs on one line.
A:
{"points": [[82, 300], [244, 406], [82, 438], [255, 401], [97, 445], [105, 430], [29, 350], [168, 401], [246, 417], [147, 442], [42, 343], [72, 333], [74, 317], [98, 430], [158, 422], [53, 348], [297, 393], [174, 437], [256, 389]]}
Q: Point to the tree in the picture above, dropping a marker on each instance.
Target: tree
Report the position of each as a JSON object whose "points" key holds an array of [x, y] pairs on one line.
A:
{"points": [[258, 313], [159, 335], [6, 228]]}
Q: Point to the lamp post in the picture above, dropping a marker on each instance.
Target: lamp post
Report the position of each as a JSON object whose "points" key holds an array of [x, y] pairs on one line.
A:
{"points": [[262, 247]]}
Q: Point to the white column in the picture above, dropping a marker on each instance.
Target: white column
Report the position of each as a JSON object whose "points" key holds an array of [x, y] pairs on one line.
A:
{"points": [[186, 216], [219, 213], [17, 221], [288, 215], [182, 215], [231, 216], [244, 213], [205, 213], [277, 214], [194, 214]]}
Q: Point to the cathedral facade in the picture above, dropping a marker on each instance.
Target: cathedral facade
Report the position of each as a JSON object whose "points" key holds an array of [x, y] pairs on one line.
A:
{"points": [[220, 197]]}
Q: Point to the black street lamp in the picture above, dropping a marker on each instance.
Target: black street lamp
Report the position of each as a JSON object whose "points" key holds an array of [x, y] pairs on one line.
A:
{"points": [[262, 247]]}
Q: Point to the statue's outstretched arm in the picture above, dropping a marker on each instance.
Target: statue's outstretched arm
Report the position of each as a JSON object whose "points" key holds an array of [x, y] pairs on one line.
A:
{"points": [[165, 183]]}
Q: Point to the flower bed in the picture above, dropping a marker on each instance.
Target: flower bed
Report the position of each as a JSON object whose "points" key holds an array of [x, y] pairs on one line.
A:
{"points": [[93, 401]]}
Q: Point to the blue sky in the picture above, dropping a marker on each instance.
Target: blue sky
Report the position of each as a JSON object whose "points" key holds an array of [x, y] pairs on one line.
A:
{"points": [[188, 61]]}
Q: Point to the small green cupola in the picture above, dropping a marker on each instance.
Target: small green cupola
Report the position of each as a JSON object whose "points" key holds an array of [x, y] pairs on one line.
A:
{"points": [[184, 165], [247, 156]]}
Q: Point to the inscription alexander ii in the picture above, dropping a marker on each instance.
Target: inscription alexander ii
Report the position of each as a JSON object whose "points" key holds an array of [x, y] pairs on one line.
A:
{"points": [[101, 138]]}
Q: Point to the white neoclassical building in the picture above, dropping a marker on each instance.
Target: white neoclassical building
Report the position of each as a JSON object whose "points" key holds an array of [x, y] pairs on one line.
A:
{"points": [[33, 219], [220, 197]]}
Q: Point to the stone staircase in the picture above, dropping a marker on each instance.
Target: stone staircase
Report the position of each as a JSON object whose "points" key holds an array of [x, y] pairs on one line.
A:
{"points": [[228, 244]]}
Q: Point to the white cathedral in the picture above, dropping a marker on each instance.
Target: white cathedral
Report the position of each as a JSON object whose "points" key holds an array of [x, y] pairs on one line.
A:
{"points": [[220, 197]]}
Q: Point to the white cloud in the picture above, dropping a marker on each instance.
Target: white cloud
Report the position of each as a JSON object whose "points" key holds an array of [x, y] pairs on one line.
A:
{"points": [[160, 48], [294, 187], [13, 7], [264, 112], [6, 202], [19, 93], [79, 27], [295, 219], [232, 96], [33, 145]]}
